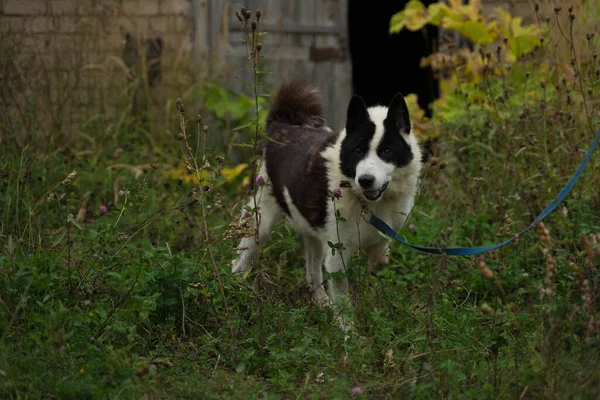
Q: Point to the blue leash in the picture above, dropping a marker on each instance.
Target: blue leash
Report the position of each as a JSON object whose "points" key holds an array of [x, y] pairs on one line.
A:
{"points": [[468, 251]]}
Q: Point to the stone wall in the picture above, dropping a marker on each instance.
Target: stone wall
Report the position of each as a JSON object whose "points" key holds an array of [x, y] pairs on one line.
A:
{"points": [[50, 26]]}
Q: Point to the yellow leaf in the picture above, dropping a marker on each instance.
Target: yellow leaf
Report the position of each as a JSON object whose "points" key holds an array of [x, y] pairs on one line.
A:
{"points": [[437, 11], [413, 17], [478, 32], [183, 173], [231, 173], [416, 15], [398, 22]]}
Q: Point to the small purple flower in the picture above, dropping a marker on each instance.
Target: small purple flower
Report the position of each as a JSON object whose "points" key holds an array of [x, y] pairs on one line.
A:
{"points": [[412, 228], [260, 180], [121, 193], [54, 170], [103, 209], [247, 214], [337, 193], [357, 390]]}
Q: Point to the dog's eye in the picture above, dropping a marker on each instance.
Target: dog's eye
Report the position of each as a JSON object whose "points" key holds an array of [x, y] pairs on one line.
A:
{"points": [[359, 150], [386, 153]]}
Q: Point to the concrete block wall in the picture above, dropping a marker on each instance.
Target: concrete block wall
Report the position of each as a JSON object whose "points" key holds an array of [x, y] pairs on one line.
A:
{"points": [[68, 53], [48, 27]]}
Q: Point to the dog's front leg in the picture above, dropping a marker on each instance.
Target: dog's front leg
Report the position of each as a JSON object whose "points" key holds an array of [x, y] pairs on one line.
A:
{"points": [[338, 286], [314, 252], [378, 253], [269, 215]]}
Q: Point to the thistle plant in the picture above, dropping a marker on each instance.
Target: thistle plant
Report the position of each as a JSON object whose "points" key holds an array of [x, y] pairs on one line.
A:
{"points": [[253, 46]]}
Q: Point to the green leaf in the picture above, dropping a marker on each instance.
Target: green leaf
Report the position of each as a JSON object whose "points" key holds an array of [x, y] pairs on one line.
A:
{"points": [[413, 17], [72, 220], [243, 81], [59, 239], [478, 32], [270, 139], [244, 126], [170, 301], [437, 11], [11, 245], [332, 246], [240, 107]]}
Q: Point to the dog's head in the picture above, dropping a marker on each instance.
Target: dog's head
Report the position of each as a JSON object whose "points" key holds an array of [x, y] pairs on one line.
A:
{"points": [[377, 143]]}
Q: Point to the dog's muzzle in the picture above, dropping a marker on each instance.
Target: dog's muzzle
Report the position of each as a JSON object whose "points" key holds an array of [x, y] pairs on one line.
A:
{"points": [[374, 195]]}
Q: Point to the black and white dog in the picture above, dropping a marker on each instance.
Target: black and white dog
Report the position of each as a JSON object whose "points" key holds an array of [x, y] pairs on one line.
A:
{"points": [[304, 165]]}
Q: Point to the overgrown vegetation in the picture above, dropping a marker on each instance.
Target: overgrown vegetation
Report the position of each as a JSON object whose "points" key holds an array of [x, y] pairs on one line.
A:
{"points": [[115, 262]]}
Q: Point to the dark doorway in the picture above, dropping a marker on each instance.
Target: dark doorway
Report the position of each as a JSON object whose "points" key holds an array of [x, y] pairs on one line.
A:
{"points": [[384, 64]]}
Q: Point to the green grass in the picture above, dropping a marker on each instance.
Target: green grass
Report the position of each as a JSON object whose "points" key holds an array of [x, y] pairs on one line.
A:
{"points": [[134, 310]]}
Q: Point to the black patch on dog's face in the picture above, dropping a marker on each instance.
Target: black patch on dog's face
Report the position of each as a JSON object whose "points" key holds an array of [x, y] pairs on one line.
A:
{"points": [[393, 148], [359, 133]]}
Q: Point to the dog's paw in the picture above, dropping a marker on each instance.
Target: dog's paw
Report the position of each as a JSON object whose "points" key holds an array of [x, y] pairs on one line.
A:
{"points": [[346, 324], [378, 255], [240, 265], [383, 260], [320, 298]]}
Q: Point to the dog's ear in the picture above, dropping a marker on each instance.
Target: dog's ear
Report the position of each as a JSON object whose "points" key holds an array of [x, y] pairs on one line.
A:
{"points": [[357, 113], [398, 113]]}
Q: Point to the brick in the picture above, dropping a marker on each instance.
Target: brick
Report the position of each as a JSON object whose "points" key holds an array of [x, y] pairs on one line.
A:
{"points": [[179, 7], [40, 24], [141, 7], [24, 7], [133, 25], [182, 24], [12, 24], [88, 24], [161, 24], [66, 24], [99, 7], [64, 7], [113, 42], [35, 43], [176, 41], [64, 43]]}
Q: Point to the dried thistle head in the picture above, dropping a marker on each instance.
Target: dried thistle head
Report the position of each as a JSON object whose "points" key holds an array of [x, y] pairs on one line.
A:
{"points": [[179, 105], [240, 229], [544, 233], [69, 178], [586, 244], [483, 269]]}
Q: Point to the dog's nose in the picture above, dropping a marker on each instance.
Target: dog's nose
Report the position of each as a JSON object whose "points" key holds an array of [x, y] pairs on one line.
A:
{"points": [[366, 181]]}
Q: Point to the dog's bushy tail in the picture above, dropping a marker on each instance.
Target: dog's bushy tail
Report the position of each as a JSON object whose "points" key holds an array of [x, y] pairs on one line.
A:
{"points": [[297, 103]]}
